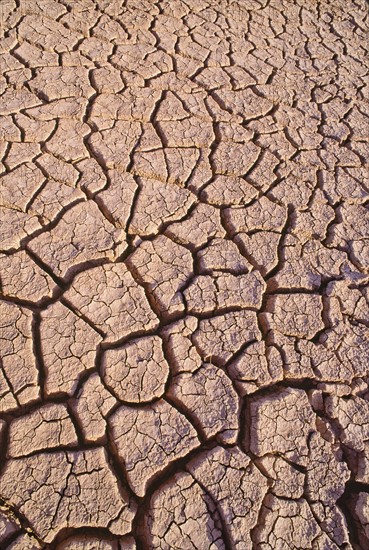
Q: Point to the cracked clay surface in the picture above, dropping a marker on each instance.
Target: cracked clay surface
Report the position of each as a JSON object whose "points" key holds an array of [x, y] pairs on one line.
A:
{"points": [[184, 265]]}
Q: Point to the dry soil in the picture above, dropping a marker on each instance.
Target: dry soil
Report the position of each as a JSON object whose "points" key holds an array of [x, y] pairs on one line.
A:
{"points": [[184, 268]]}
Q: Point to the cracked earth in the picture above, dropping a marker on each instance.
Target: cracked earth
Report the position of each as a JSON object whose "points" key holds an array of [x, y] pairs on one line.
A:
{"points": [[184, 275]]}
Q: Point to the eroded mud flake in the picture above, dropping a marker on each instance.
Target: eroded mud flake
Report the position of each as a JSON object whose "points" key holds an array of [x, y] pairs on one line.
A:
{"points": [[307, 265], [236, 485], [82, 235], [288, 524], [158, 203], [298, 314], [86, 543], [67, 490], [256, 367], [260, 248], [263, 215], [222, 255], [221, 336], [16, 226], [326, 477], [19, 374], [163, 267], [21, 277], [281, 423], [228, 190], [7, 526], [138, 371], [360, 504], [116, 201], [149, 438], [68, 346], [20, 184], [202, 224], [47, 427], [285, 479], [81, 542], [352, 419], [222, 291], [180, 349], [91, 408], [25, 542], [210, 401], [182, 515], [112, 301]]}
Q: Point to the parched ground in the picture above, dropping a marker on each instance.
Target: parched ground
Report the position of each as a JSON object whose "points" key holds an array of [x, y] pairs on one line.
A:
{"points": [[184, 267]]}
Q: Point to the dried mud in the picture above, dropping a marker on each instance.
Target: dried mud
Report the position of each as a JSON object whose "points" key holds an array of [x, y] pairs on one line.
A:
{"points": [[184, 275]]}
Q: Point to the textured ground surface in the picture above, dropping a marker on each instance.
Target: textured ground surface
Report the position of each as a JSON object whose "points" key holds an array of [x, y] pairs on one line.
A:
{"points": [[184, 259]]}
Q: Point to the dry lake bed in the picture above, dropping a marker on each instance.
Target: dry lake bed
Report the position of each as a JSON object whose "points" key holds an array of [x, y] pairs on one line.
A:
{"points": [[184, 258]]}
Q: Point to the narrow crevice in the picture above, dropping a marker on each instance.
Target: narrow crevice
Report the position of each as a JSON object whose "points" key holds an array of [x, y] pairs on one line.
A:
{"points": [[37, 350]]}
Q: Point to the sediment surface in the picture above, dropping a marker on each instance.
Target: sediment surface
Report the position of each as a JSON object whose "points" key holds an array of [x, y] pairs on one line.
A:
{"points": [[184, 268]]}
